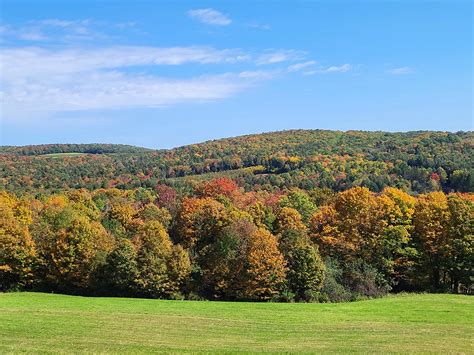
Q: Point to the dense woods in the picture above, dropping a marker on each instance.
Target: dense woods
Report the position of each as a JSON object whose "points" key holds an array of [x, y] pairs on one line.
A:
{"points": [[221, 242], [287, 216], [416, 162]]}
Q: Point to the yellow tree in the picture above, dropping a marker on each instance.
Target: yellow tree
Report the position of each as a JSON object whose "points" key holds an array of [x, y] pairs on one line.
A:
{"points": [[71, 246], [289, 218], [17, 249], [161, 266], [431, 228], [200, 219], [262, 216], [363, 225], [263, 266], [351, 226]]}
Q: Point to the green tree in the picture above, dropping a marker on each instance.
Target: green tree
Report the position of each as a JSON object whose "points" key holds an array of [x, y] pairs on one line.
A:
{"points": [[119, 275]]}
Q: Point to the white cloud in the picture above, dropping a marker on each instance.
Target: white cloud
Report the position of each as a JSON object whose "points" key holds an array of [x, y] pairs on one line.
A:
{"points": [[210, 17], [300, 66], [259, 26], [77, 26], [401, 71], [259, 74], [310, 68], [56, 30], [60, 23], [273, 57], [31, 62], [338, 69], [113, 90], [36, 81], [32, 35]]}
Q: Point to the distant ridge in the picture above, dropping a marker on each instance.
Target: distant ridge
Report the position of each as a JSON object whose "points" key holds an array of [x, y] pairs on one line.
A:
{"points": [[416, 161]]}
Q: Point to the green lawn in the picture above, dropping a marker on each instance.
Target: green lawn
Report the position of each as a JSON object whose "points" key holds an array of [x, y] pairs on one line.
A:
{"points": [[62, 155], [35, 323]]}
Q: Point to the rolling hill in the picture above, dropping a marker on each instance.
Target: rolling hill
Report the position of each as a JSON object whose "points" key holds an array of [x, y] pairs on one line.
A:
{"points": [[415, 161]]}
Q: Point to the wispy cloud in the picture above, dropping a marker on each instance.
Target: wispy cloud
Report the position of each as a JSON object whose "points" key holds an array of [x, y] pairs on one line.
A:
{"points": [[259, 74], [210, 17], [41, 80], [49, 30], [113, 90], [279, 56], [401, 71], [311, 68], [62, 23], [338, 69], [301, 66], [26, 33], [32, 35], [39, 62], [37, 80], [259, 26]]}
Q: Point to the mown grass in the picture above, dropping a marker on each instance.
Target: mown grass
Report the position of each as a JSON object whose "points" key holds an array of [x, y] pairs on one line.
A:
{"points": [[47, 323], [62, 155]]}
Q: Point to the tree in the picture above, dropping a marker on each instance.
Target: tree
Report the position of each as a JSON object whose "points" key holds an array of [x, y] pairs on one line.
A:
{"points": [[219, 261], [305, 268], [262, 215], [431, 229], [121, 220], [17, 249], [166, 197], [300, 201], [289, 218], [153, 252], [179, 269], [199, 220], [217, 187], [262, 267], [366, 226], [119, 275], [461, 241], [70, 246], [151, 212]]}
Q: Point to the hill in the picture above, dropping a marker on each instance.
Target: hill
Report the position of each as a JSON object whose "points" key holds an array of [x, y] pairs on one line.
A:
{"points": [[95, 148], [36, 323], [414, 161]]}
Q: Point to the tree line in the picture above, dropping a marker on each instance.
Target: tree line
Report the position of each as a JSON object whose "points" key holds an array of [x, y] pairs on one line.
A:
{"points": [[220, 242], [417, 162]]}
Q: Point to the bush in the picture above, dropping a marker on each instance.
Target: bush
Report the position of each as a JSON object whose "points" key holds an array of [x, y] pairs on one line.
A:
{"points": [[351, 281], [333, 290]]}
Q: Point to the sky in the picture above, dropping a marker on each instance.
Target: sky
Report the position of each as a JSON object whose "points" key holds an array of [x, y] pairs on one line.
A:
{"points": [[162, 74]]}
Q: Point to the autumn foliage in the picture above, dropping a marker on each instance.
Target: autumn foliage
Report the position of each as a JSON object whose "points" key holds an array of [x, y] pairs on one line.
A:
{"points": [[221, 242]]}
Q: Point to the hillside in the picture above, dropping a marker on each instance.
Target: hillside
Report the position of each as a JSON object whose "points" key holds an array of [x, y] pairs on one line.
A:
{"points": [[96, 148], [35, 323], [415, 161]]}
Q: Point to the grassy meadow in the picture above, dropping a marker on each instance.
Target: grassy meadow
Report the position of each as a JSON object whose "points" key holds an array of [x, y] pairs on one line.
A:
{"points": [[62, 155], [45, 323]]}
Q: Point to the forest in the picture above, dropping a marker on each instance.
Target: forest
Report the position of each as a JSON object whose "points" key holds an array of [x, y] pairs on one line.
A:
{"points": [[222, 243], [416, 162], [312, 216]]}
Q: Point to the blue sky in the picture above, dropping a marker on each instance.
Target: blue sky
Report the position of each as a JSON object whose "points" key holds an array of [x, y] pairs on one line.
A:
{"points": [[167, 73]]}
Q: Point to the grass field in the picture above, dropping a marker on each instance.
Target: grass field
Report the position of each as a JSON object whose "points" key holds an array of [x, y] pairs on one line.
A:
{"points": [[35, 323], [62, 155]]}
